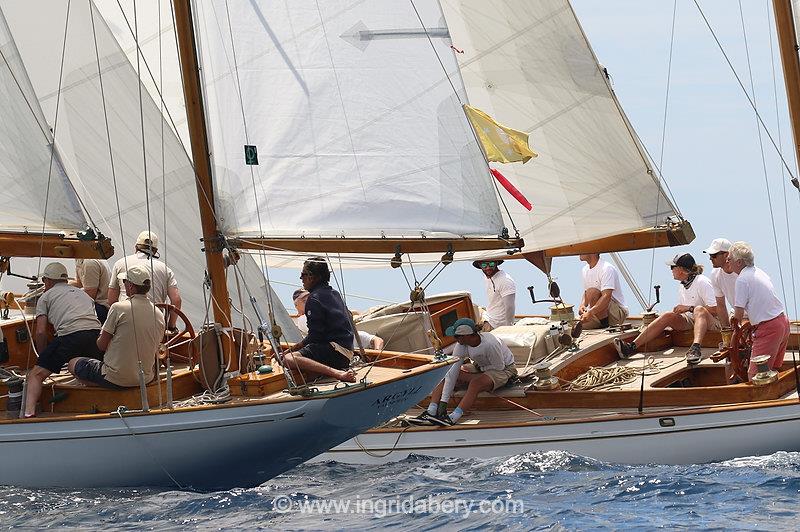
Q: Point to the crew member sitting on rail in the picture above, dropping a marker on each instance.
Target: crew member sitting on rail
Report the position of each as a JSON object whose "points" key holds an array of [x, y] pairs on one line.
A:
{"points": [[603, 304], [501, 293], [71, 312], [723, 278], [755, 295], [327, 348], [130, 338], [492, 366], [93, 276], [164, 284], [696, 309]]}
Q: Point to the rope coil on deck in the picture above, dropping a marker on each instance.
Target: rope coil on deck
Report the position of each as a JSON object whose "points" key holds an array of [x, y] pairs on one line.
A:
{"points": [[597, 378]]}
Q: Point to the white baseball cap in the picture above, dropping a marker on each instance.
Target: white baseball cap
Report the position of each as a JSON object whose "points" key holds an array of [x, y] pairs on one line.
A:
{"points": [[55, 271], [136, 274], [717, 245], [147, 238]]}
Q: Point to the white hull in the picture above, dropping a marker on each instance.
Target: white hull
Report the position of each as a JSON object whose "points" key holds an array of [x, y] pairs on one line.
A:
{"points": [[694, 438], [207, 448]]}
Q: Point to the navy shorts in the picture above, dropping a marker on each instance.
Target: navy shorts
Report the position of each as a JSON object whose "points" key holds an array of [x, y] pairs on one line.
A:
{"points": [[91, 370], [64, 348], [101, 311], [325, 354]]}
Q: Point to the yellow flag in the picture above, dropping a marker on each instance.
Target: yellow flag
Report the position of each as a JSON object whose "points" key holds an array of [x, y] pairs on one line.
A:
{"points": [[501, 144]]}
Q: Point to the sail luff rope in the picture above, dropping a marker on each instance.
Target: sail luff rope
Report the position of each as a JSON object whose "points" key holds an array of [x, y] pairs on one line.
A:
{"points": [[744, 90], [783, 170], [763, 157], [264, 265], [663, 141]]}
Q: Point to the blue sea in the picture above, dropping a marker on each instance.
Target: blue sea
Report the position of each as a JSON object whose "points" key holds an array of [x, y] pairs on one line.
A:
{"points": [[551, 490]]}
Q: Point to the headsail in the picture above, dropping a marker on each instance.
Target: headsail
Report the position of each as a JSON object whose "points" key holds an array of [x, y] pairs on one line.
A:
{"points": [[358, 132], [35, 193], [531, 68], [167, 198]]}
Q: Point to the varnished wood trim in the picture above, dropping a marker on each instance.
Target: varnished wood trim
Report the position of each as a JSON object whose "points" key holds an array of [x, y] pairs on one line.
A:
{"points": [[54, 245]]}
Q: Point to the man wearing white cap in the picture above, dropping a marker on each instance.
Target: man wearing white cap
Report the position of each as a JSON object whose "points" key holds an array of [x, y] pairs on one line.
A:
{"points": [[164, 285], [130, 338], [71, 313], [723, 278]]}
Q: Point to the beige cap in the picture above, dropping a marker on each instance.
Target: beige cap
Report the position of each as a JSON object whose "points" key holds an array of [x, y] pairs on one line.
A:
{"points": [[136, 274], [717, 245], [55, 271], [147, 238]]}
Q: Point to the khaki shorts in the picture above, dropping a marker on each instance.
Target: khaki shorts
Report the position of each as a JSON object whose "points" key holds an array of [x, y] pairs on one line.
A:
{"points": [[500, 377], [688, 319], [617, 314]]}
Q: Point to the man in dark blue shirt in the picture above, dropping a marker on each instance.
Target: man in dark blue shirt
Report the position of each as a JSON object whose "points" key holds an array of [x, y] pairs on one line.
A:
{"points": [[326, 350]]}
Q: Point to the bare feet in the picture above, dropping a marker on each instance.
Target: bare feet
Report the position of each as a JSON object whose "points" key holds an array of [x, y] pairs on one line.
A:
{"points": [[347, 376]]}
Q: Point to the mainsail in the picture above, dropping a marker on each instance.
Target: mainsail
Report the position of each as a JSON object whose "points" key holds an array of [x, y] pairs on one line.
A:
{"points": [[135, 175], [530, 66], [35, 194], [358, 131]]}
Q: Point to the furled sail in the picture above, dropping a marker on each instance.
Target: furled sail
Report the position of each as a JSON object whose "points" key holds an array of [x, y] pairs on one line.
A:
{"points": [[530, 66], [358, 131], [35, 192], [136, 174]]}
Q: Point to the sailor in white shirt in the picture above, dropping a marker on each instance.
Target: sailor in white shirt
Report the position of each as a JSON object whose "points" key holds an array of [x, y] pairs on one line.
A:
{"points": [[755, 295], [492, 367], [723, 278], [696, 310], [603, 304], [501, 295]]}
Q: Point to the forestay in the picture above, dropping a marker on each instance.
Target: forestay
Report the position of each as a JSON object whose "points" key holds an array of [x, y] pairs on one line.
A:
{"points": [[531, 68], [358, 131], [154, 177], [35, 192]]}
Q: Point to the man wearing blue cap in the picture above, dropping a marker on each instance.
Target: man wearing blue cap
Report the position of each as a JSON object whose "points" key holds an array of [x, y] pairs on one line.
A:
{"points": [[492, 367]]}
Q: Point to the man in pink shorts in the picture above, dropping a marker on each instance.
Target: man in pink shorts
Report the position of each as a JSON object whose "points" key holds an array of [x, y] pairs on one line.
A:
{"points": [[756, 296]]}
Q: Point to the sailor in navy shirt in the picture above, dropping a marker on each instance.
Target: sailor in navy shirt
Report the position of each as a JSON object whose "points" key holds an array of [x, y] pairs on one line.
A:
{"points": [[326, 350]]}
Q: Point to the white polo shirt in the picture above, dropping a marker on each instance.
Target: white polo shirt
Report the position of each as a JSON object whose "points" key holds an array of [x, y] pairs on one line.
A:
{"points": [[756, 295], [499, 286], [699, 293], [604, 276]]}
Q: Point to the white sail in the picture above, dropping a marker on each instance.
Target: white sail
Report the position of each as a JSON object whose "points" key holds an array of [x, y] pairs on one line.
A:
{"points": [[530, 66], [35, 193], [155, 184], [358, 131]]}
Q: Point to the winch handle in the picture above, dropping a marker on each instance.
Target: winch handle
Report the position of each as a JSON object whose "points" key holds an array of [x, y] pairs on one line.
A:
{"points": [[533, 298], [658, 298]]}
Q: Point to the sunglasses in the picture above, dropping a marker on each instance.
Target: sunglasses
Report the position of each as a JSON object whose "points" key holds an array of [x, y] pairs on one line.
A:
{"points": [[304, 275], [490, 264], [717, 254]]}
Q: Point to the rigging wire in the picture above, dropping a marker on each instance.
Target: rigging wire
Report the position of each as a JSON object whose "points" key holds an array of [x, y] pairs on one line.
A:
{"points": [[744, 90], [661, 154], [783, 170], [763, 156]]}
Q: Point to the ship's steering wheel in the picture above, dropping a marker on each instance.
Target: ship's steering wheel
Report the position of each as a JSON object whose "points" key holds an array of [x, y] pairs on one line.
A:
{"points": [[741, 348], [185, 335]]}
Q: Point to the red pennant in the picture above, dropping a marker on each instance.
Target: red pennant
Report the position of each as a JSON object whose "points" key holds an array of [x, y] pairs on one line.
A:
{"points": [[511, 189]]}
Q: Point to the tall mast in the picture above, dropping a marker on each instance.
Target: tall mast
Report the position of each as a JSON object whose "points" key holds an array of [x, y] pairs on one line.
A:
{"points": [[787, 40], [187, 47]]}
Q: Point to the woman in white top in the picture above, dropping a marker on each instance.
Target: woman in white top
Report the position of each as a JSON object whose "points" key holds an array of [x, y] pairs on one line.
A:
{"points": [[756, 296], [696, 309]]}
